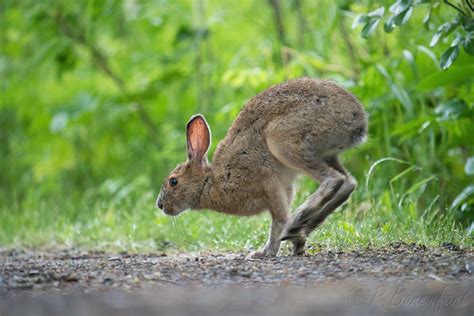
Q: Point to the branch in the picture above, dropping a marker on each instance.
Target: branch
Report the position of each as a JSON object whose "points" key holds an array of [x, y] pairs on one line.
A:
{"points": [[277, 17], [200, 58], [102, 62], [471, 6], [455, 7], [275, 4], [301, 22]]}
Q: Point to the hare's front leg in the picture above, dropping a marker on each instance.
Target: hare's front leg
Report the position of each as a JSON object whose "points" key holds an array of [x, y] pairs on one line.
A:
{"points": [[279, 201], [272, 246], [279, 222]]}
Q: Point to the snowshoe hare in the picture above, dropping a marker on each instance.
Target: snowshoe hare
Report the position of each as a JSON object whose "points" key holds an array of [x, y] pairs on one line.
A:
{"points": [[296, 127]]}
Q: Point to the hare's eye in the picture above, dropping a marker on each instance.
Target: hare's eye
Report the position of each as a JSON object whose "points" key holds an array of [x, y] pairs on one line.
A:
{"points": [[173, 182]]}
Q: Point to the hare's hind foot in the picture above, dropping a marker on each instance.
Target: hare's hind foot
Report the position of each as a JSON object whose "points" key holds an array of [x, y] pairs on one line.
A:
{"points": [[296, 238], [298, 246]]}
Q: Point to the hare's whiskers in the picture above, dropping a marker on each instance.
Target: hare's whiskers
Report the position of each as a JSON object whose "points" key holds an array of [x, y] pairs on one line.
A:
{"points": [[179, 232]]}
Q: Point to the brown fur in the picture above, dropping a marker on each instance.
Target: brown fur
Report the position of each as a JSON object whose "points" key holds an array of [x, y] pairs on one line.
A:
{"points": [[296, 127]]}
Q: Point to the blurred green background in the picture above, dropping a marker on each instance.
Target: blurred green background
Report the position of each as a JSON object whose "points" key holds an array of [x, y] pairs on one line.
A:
{"points": [[95, 96]]}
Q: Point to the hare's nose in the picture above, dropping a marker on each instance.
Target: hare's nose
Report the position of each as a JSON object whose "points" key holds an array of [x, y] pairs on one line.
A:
{"points": [[159, 203]]}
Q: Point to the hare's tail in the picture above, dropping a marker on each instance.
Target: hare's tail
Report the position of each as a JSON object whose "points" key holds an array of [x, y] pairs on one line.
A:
{"points": [[359, 135]]}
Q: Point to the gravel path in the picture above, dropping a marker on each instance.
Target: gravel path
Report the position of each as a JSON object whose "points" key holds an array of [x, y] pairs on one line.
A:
{"points": [[327, 281]]}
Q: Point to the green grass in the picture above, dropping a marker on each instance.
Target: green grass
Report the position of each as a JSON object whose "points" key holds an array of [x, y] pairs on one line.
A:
{"points": [[134, 224]]}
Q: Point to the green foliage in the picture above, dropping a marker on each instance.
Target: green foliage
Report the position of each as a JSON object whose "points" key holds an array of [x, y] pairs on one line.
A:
{"points": [[95, 96], [462, 25]]}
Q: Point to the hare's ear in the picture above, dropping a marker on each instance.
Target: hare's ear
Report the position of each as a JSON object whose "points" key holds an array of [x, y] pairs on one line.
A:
{"points": [[199, 138]]}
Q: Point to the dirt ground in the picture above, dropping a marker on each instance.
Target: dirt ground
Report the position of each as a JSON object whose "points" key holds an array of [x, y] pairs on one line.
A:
{"points": [[398, 279]]}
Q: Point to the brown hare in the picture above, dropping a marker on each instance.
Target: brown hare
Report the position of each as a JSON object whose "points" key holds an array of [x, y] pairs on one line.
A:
{"points": [[296, 127]]}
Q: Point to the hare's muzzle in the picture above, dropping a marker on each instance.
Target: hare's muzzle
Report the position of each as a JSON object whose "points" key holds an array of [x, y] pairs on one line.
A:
{"points": [[159, 202], [168, 210]]}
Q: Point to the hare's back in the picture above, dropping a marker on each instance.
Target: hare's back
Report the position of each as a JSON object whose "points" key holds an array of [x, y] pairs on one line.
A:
{"points": [[301, 104], [322, 118], [304, 110]]}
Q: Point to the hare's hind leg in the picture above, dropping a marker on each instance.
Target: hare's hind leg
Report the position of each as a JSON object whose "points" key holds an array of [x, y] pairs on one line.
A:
{"points": [[336, 185], [335, 188], [348, 186]]}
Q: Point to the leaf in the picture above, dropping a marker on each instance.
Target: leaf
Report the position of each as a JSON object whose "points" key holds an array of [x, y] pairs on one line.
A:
{"points": [[452, 76], [59, 122], [371, 20], [187, 33], [400, 6], [469, 190], [66, 58], [469, 167], [443, 30], [409, 57], [403, 17], [414, 188], [403, 173], [412, 128], [448, 57], [360, 19], [184, 33], [377, 13], [457, 40], [427, 19], [369, 28], [468, 43], [402, 95], [428, 53], [451, 110], [398, 18], [378, 162], [468, 23], [389, 25], [435, 39]]}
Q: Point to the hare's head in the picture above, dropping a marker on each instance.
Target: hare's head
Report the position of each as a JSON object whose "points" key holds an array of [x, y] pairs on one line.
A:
{"points": [[183, 187]]}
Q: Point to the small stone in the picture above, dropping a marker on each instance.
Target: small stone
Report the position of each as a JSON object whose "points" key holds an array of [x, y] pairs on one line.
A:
{"points": [[71, 278], [107, 281], [450, 246], [115, 258]]}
